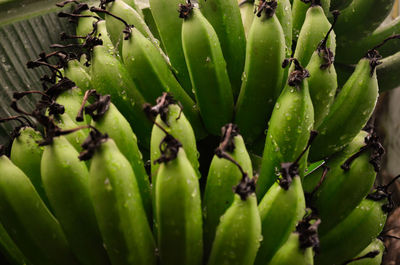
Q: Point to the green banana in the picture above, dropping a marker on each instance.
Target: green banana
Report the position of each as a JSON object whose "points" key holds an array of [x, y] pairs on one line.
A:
{"points": [[350, 54], [118, 206], [65, 180], [107, 119], [109, 76], [353, 105], [280, 209], [28, 221], [353, 234], [76, 72], [337, 196], [361, 18], [314, 29], [169, 116], [238, 234], [26, 154], [298, 249], [299, 13], [224, 16], [256, 99], [371, 255], [222, 176], [207, 69], [178, 207], [170, 28], [323, 79], [153, 77], [284, 15], [289, 128]]}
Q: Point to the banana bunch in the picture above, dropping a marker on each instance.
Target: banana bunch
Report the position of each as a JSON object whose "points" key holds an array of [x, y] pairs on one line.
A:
{"points": [[122, 164]]}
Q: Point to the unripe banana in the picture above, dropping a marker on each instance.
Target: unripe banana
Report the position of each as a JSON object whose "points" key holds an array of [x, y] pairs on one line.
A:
{"points": [[107, 119], [207, 69], [26, 154], [353, 234], [353, 106], [340, 4], [76, 72], [65, 180], [289, 128], [109, 76], [299, 13], [337, 195], [239, 232], [257, 98], [247, 14], [387, 80], [223, 175], [298, 249], [314, 29], [118, 206], [371, 255], [28, 221], [170, 28], [152, 76], [224, 16], [280, 210], [178, 207], [361, 18]]}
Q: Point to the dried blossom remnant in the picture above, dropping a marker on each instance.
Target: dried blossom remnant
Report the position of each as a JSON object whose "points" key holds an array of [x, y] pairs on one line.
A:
{"points": [[269, 7], [91, 144], [228, 133], [323, 51], [381, 193], [169, 148], [185, 9], [161, 107], [308, 233], [246, 187], [299, 73]]}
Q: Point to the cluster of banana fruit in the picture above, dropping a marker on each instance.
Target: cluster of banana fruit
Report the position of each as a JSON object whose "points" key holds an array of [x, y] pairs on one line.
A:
{"points": [[291, 180]]}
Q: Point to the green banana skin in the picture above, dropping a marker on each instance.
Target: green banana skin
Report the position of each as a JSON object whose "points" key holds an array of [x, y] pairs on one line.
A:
{"points": [[280, 210], [26, 155], [151, 23], [238, 234], [109, 76], [364, 16], [180, 129], [178, 213], [28, 221], [351, 53], [102, 33], [340, 4], [218, 195], [65, 180], [353, 234], [311, 180], [71, 100], [257, 97], [207, 69], [314, 29], [343, 190], [153, 77], [299, 14], [291, 253], [11, 251], [132, 17], [386, 79], [247, 14], [376, 245], [119, 210], [118, 128], [284, 14], [65, 122], [353, 106], [76, 72], [170, 28], [322, 84], [225, 18], [85, 25], [134, 5], [289, 130]]}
